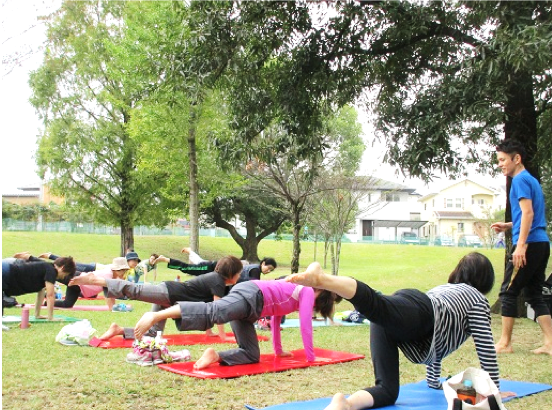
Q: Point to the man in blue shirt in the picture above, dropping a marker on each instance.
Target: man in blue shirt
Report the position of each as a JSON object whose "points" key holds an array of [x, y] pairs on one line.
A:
{"points": [[526, 267]]}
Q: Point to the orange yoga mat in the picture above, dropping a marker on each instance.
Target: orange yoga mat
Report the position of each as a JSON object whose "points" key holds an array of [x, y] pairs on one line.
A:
{"points": [[268, 364], [180, 339]]}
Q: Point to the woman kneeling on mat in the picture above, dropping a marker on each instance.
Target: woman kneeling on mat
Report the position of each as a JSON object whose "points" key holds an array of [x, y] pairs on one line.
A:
{"points": [[204, 288], [242, 307], [427, 327]]}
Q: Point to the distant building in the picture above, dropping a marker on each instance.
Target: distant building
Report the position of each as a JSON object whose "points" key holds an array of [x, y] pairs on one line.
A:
{"points": [[33, 194], [456, 209]]}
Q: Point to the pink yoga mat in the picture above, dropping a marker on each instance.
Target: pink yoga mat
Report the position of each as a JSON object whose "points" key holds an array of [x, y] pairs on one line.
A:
{"points": [[268, 364], [95, 308], [182, 339]]}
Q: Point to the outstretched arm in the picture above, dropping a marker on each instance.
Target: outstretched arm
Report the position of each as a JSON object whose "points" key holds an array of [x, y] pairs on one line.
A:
{"points": [[314, 277], [151, 318]]}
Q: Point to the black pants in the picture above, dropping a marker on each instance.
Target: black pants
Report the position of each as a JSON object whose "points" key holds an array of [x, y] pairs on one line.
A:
{"points": [[405, 316], [530, 279]]}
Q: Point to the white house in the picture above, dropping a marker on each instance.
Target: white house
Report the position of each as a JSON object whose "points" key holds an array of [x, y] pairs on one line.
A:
{"points": [[456, 209], [388, 210]]}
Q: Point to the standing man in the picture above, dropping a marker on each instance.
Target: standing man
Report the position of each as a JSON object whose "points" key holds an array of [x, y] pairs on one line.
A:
{"points": [[527, 265]]}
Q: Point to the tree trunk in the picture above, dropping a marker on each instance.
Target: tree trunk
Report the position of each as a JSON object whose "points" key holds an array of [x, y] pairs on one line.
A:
{"points": [[127, 237], [194, 186], [296, 240]]}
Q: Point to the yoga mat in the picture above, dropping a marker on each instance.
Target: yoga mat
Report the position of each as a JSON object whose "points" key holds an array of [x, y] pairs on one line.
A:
{"points": [[95, 308], [416, 396], [268, 364], [32, 319], [182, 339], [291, 323]]}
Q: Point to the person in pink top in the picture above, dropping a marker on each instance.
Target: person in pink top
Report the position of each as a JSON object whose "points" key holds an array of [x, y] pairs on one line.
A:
{"points": [[242, 307]]}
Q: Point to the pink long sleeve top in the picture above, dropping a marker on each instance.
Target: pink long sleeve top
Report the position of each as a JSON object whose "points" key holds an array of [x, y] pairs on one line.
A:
{"points": [[282, 298]]}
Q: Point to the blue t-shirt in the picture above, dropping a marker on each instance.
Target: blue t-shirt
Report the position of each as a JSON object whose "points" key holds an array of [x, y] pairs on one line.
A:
{"points": [[525, 186]]}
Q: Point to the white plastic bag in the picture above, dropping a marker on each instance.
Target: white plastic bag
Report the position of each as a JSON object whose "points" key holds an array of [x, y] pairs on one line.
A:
{"points": [[482, 383], [76, 334]]}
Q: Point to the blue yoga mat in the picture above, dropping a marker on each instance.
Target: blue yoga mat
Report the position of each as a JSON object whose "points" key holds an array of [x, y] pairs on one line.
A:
{"points": [[416, 396], [317, 323]]}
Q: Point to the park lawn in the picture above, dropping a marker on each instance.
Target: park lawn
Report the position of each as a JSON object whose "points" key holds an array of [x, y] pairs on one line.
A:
{"points": [[39, 373]]}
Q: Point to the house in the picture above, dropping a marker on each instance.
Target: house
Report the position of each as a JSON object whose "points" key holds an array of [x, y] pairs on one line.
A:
{"points": [[387, 211], [33, 194], [456, 209]]}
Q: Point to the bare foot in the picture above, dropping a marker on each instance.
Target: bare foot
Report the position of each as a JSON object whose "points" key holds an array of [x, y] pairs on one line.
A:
{"points": [[114, 330], [502, 348], [339, 402], [45, 255], [186, 250], [210, 333], [83, 280], [22, 255], [543, 350], [143, 325], [208, 357], [311, 277]]}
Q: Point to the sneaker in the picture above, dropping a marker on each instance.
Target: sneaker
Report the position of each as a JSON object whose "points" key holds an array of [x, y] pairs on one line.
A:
{"points": [[156, 357], [121, 307], [180, 355], [143, 358]]}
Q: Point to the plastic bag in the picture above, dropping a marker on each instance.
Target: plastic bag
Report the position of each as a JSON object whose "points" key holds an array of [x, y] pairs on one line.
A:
{"points": [[76, 334], [483, 385]]}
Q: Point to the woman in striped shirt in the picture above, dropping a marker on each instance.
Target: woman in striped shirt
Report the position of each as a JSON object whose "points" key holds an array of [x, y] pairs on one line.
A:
{"points": [[426, 327]]}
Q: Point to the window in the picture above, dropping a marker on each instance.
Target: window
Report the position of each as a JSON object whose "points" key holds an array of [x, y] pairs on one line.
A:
{"points": [[481, 202], [415, 216], [460, 226], [448, 202], [459, 203], [390, 197]]}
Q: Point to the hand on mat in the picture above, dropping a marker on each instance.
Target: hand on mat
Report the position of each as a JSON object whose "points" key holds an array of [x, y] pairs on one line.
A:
{"points": [[504, 394]]}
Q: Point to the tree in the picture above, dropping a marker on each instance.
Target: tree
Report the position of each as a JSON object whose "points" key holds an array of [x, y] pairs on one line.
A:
{"points": [[85, 91]]}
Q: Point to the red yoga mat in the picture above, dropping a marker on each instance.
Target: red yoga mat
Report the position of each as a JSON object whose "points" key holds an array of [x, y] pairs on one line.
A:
{"points": [[181, 339], [268, 364]]}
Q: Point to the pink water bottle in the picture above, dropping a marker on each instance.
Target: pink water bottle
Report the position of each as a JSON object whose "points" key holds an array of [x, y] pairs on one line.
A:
{"points": [[24, 318]]}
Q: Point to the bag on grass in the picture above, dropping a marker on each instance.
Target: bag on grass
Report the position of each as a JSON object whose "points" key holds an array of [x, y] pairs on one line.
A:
{"points": [[488, 396], [76, 334]]}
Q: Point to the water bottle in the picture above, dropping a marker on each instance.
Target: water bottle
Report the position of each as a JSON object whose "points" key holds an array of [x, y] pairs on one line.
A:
{"points": [[59, 295], [467, 393], [24, 318], [178, 278]]}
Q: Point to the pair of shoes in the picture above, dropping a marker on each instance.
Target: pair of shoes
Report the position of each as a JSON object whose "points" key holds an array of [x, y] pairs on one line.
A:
{"points": [[144, 357], [180, 356], [121, 307]]}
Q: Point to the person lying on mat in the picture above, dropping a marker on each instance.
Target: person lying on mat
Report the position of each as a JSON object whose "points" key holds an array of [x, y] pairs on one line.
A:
{"points": [[242, 307], [199, 266], [427, 327], [204, 288], [23, 278]]}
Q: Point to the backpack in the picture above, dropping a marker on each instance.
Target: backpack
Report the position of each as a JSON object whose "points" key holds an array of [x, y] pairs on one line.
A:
{"points": [[355, 317]]}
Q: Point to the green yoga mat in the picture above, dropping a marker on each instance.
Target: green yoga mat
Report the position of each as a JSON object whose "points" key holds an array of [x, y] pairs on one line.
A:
{"points": [[32, 319]]}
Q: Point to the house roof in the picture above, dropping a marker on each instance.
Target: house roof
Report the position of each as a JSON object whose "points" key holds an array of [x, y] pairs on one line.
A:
{"points": [[398, 224], [453, 215], [491, 191], [22, 195]]}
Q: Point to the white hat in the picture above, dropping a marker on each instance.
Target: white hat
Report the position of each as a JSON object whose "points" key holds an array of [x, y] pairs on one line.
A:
{"points": [[120, 263]]}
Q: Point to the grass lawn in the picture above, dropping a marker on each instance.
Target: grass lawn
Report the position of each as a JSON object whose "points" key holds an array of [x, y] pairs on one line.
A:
{"points": [[38, 373]]}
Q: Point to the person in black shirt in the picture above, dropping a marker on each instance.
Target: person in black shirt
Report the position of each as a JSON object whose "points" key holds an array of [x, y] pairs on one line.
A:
{"points": [[23, 278], [205, 288]]}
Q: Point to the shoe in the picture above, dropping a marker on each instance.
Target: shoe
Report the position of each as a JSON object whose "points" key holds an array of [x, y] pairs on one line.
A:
{"points": [[156, 357], [121, 307], [180, 355], [143, 358]]}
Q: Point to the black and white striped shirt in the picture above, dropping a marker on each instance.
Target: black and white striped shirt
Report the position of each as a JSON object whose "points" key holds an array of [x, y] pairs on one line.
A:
{"points": [[460, 311]]}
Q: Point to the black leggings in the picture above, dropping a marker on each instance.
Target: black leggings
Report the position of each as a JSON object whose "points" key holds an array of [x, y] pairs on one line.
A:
{"points": [[405, 316]]}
